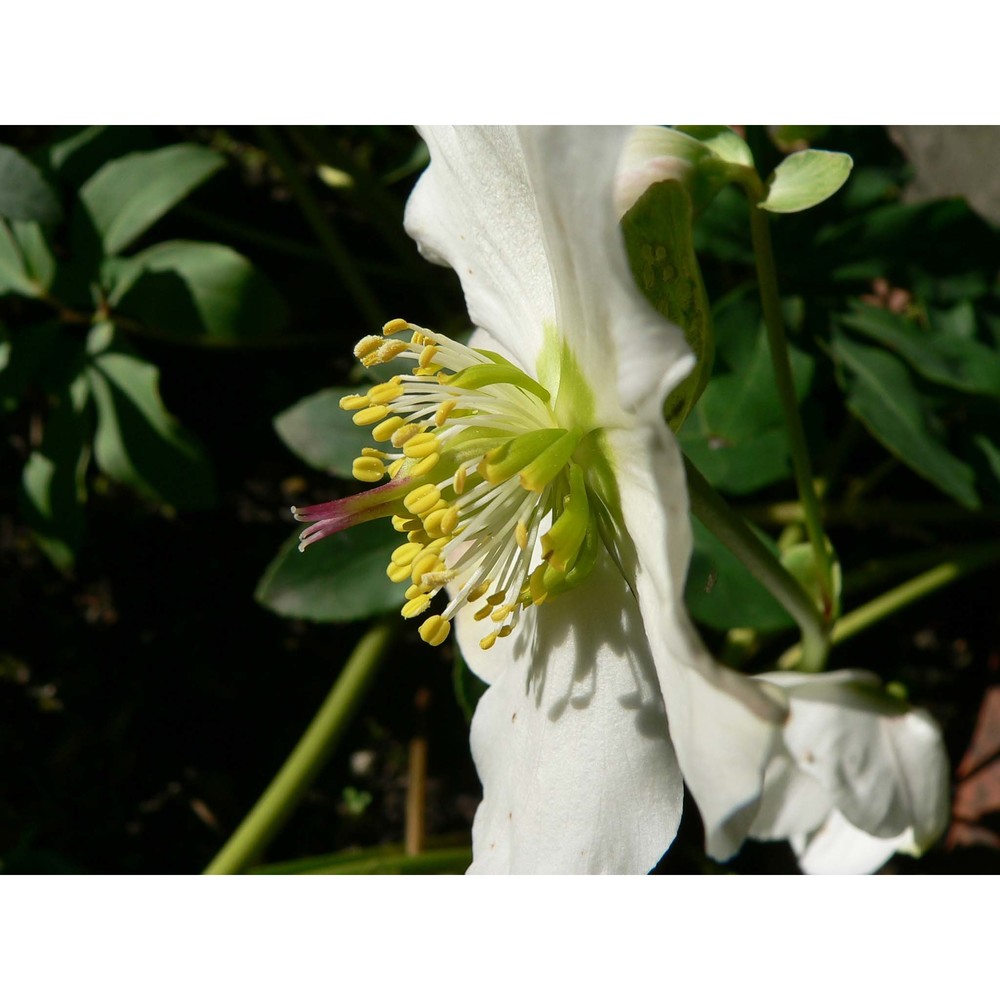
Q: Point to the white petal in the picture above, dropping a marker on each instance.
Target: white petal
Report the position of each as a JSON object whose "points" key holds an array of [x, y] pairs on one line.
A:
{"points": [[654, 153], [725, 727], [792, 804], [884, 766], [527, 220], [571, 742], [838, 848]]}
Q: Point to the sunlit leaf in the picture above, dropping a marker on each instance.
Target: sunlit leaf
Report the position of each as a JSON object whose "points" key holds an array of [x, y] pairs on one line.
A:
{"points": [[805, 179], [322, 434], [203, 292]]}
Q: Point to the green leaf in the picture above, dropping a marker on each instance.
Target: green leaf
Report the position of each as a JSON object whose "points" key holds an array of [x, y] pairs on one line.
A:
{"points": [[322, 434], [658, 236], [800, 561], [805, 179], [202, 292], [40, 262], [76, 153], [126, 196], [25, 195], [722, 141], [137, 441], [53, 483], [14, 275], [24, 355], [882, 394], [962, 364], [721, 593], [338, 579], [736, 434]]}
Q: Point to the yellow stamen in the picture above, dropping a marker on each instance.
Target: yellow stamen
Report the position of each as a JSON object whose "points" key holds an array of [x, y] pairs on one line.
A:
{"points": [[404, 433], [425, 465], [395, 326], [368, 469], [371, 415], [521, 535], [422, 500], [459, 481], [416, 606], [421, 445], [487, 641], [387, 428], [435, 630], [353, 402], [444, 410]]}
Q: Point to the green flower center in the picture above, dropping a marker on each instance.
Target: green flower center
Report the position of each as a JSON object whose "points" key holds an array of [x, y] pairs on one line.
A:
{"points": [[493, 499]]}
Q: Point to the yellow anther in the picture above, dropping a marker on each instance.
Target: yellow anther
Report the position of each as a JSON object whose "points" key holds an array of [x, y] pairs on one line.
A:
{"points": [[482, 613], [398, 574], [521, 535], [459, 481], [353, 402], [427, 562], [404, 524], [368, 469], [387, 428], [406, 553], [501, 613], [427, 355], [367, 346], [441, 522], [417, 606], [389, 350], [373, 453], [487, 641], [422, 500], [434, 581], [421, 338], [425, 465], [396, 466], [442, 413], [370, 415], [536, 585], [418, 535], [429, 370], [497, 598], [421, 445], [505, 631], [404, 433], [414, 590], [435, 630], [387, 392], [395, 326], [478, 591]]}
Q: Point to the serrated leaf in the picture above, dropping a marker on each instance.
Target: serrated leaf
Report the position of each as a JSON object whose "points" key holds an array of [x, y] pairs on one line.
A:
{"points": [[126, 196], [963, 364], [805, 179], [53, 481], [722, 594], [339, 579], [322, 434], [137, 441], [736, 434], [25, 195], [203, 292], [882, 394], [658, 237]]}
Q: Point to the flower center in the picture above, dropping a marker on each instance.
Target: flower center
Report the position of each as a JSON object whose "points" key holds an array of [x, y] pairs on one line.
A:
{"points": [[483, 483]]}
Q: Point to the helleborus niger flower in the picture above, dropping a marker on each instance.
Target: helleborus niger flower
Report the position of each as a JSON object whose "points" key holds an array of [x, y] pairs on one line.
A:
{"points": [[544, 506], [858, 776]]}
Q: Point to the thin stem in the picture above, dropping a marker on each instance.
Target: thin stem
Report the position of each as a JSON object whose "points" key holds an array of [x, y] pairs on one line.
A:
{"points": [[737, 536], [775, 325], [320, 224], [899, 597], [272, 810]]}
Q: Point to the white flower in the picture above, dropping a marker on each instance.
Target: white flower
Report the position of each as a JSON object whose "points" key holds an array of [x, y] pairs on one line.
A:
{"points": [[859, 774], [539, 486]]}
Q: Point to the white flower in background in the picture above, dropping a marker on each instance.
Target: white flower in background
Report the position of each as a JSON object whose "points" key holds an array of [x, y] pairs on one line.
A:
{"points": [[859, 774], [542, 493]]}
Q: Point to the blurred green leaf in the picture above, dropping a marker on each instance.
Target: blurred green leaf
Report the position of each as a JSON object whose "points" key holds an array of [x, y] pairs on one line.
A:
{"points": [[14, 275], [805, 179], [76, 153], [721, 593], [126, 196], [322, 434], [883, 395], [53, 483], [39, 260], [204, 292], [25, 195], [736, 434], [337, 579], [137, 441], [963, 364]]}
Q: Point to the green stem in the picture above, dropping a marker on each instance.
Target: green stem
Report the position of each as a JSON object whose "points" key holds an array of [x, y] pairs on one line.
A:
{"points": [[320, 224], [899, 597], [775, 325], [737, 536], [272, 810]]}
